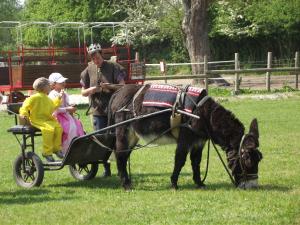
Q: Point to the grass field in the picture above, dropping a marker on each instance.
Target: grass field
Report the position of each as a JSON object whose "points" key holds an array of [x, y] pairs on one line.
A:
{"points": [[63, 200]]}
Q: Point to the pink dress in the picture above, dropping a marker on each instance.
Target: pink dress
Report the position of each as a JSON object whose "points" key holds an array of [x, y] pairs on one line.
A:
{"points": [[72, 127]]}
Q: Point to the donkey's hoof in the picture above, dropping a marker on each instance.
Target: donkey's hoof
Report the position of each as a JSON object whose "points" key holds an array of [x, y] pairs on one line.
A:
{"points": [[201, 186], [174, 186], [127, 187]]}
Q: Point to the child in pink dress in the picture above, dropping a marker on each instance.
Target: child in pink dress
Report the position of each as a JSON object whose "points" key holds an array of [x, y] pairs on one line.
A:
{"points": [[72, 127]]}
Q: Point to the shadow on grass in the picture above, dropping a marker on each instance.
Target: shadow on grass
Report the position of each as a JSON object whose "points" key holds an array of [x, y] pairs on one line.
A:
{"points": [[210, 187], [230, 186], [104, 183], [139, 182], [26, 196], [159, 182], [270, 187]]}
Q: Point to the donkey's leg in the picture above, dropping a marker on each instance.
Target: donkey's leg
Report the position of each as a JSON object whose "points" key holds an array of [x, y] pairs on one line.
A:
{"points": [[196, 156], [180, 158], [183, 145], [122, 154]]}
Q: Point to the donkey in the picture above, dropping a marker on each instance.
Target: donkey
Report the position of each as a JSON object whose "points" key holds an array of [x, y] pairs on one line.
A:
{"points": [[215, 123]]}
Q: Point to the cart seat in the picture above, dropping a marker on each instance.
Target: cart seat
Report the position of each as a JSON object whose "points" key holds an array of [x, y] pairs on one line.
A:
{"points": [[13, 108], [23, 129]]}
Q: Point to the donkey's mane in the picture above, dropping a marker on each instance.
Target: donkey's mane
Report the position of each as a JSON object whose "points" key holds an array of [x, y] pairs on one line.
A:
{"points": [[226, 130], [119, 101]]}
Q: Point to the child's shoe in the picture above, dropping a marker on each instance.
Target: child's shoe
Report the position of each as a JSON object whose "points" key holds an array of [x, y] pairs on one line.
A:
{"points": [[59, 154], [49, 158]]}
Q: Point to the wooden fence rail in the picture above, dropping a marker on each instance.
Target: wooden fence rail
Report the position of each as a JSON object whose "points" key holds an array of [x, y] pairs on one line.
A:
{"points": [[208, 73]]}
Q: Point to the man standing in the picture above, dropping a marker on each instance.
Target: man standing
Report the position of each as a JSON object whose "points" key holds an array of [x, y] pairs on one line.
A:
{"points": [[94, 78]]}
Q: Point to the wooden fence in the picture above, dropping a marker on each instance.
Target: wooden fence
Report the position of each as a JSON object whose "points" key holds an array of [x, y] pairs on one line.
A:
{"points": [[237, 71]]}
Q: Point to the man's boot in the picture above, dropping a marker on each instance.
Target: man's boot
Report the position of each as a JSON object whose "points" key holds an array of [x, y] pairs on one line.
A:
{"points": [[107, 172]]}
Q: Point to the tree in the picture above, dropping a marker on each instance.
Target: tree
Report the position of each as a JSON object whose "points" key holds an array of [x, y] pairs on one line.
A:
{"points": [[143, 15], [156, 32], [9, 12], [67, 11], [195, 28], [254, 27]]}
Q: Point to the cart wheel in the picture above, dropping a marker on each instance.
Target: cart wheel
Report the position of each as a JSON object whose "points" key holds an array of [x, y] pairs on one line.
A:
{"points": [[33, 173], [84, 171]]}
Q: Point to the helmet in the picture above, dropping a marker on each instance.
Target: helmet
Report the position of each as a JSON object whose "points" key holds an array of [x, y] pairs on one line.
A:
{"points": [[93, 48]]}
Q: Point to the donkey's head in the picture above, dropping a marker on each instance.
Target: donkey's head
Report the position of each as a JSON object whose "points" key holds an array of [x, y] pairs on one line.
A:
{"points": [[249, 158]]}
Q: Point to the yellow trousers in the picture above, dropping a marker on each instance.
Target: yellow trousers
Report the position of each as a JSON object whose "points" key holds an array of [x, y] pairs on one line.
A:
{"points": [[51, 135]]}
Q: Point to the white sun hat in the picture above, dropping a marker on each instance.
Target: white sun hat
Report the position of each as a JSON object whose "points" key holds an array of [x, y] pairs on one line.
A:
{"points": [[57, 78]]}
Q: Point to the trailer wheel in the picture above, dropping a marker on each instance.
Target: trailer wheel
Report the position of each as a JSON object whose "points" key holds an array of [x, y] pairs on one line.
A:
{"points": [[84, 171], [33, 173]]}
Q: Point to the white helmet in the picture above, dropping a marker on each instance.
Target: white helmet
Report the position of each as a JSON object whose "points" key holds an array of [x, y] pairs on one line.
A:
{"points": [[93, 48]]}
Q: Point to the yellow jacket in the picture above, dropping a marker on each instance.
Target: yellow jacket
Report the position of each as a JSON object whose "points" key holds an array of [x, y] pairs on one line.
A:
{"points": [[39, 108]]}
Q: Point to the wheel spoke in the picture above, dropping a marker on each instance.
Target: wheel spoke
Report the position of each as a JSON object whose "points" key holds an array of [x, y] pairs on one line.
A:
{"points": [[80, 169], [25, 177], [86, 169], [32, 177], [30, 163]]}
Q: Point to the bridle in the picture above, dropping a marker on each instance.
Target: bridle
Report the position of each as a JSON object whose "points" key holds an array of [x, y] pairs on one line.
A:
{"points": [[245, 176]]}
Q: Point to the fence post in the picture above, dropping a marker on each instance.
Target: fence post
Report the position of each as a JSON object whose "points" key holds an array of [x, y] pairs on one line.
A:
{"points": [[297, 66], [163, 70], [137, 57], [236, 67], [268, 74], [205, 68]]}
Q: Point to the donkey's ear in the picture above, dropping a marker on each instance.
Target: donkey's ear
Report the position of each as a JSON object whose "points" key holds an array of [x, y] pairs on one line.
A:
{"points": [[254, 128]]}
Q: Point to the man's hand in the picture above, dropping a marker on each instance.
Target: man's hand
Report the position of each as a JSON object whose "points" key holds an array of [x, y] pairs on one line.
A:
{"points": [[105, 87], [108, 87], [93, 90]]}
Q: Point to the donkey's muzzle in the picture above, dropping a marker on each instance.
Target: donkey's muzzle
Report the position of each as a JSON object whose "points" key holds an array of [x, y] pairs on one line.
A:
{"points": [[248, 184]]}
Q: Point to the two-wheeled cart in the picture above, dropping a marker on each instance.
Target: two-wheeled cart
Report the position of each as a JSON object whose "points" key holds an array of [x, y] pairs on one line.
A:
{"points": [[83, 156]]}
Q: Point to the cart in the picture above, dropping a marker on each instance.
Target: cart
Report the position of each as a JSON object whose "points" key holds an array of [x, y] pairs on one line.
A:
{"points": [[83, 156]]}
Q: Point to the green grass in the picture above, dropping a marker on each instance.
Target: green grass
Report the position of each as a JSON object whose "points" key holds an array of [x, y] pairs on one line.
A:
{"points": [[63, 200]]}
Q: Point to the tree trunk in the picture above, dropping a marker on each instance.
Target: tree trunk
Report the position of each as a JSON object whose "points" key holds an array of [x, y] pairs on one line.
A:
{"points": [[195, 29]]}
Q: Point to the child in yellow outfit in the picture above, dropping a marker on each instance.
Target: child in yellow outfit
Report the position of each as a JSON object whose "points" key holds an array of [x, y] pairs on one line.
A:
{"points": [[39, 109]]}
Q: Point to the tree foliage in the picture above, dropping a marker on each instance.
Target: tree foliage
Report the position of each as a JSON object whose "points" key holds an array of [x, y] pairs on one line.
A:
{"points": [[9, 12], [250, 27], [66, 11], [157, 28], [254, 27], [239, 18]]}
